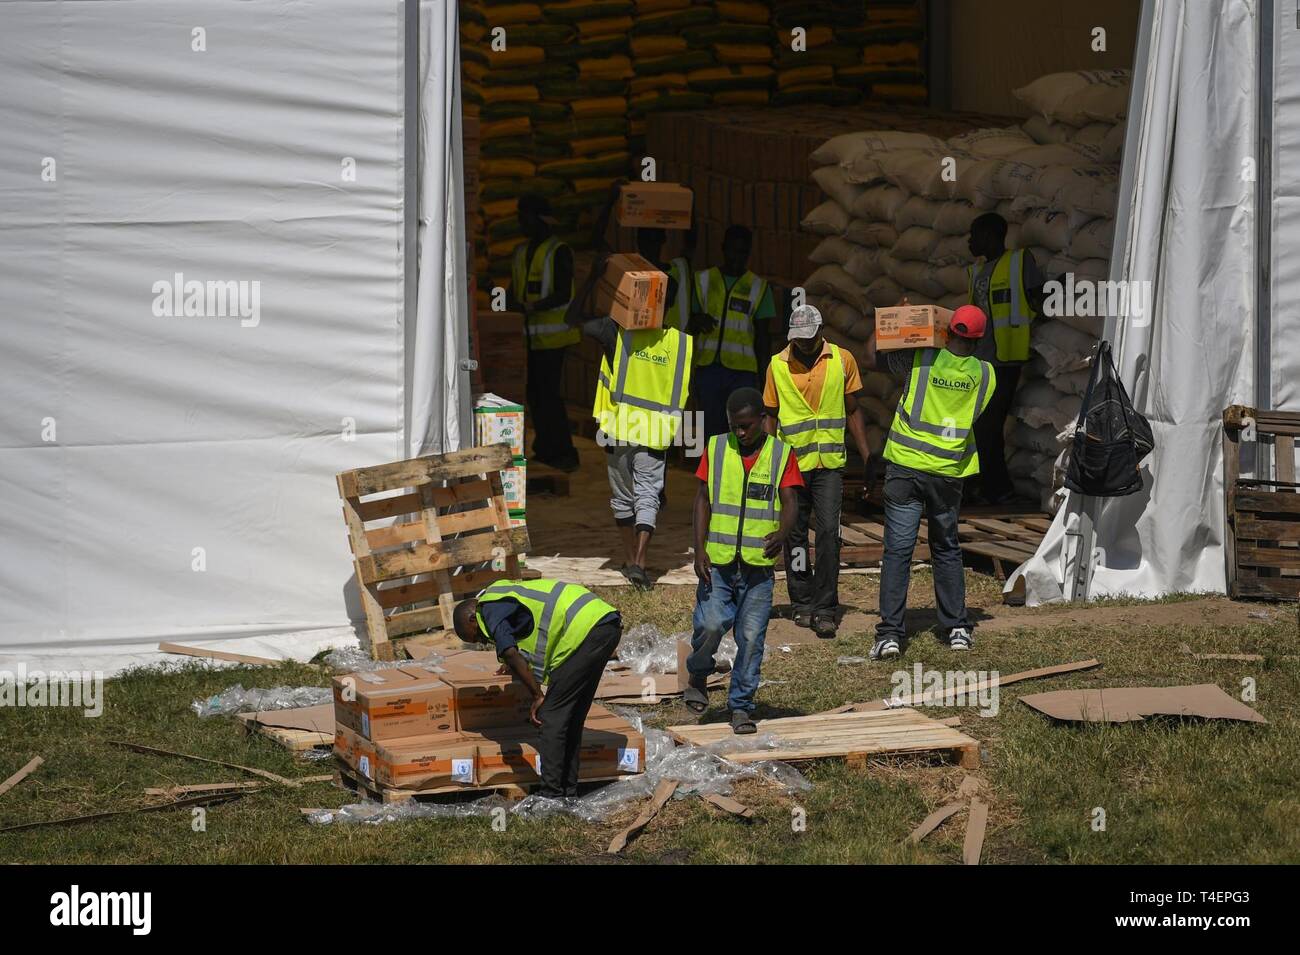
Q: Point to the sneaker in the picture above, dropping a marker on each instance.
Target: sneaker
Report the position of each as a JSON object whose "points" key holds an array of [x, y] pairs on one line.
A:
{"points": [[960, 639], [884, 648]]}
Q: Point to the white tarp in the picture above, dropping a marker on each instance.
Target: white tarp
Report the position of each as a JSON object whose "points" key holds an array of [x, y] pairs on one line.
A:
{"points": [[1191, 149], [170, 477]]}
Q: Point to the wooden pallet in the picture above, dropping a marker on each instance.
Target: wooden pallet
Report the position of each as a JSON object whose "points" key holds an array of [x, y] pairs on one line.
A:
{"points": [[347, 778], [852, 736], [1262, 517], [451, 525], [1005, 537]]}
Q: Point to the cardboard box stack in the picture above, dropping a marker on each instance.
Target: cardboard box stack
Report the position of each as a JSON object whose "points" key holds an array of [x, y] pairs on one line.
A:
{"points": [[459, 725]]}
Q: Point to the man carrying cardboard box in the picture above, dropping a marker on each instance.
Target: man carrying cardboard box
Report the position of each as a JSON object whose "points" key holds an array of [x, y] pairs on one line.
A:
{"points": [[810, 396], [744, 511], [541, 287], [1007, 286], [930, 450], [734, 341], [547, 632]]}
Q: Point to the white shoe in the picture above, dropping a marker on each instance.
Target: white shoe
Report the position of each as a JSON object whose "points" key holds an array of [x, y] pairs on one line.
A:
{"points": [[960, 639]]}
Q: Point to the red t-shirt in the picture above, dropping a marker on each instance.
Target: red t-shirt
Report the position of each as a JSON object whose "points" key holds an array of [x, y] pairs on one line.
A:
{"points": [[790, 477]]}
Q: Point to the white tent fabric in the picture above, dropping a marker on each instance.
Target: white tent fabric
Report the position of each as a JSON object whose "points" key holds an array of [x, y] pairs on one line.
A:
{"points": [[1191, 233], [170, 476], [1285, 264]]}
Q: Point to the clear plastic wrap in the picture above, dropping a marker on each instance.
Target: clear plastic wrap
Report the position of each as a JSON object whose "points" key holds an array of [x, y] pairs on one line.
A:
{"points": [[647, 649], [699, 770], [357, 660], [238, 700]]}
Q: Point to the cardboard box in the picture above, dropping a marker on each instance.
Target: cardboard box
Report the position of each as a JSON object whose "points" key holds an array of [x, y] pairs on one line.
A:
{"points": [[632, 291], [498, 420], [488, 702], [427, 762], [355, 751], [911, 326], [514, 483], [393, 703], [660, 205]]}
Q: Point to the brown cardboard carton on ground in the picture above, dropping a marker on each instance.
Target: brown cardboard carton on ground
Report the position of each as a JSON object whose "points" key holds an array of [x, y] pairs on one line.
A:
{"points": [[911, 326], [509, 758], [427, 762], [1133, 703], [485, 702], [393, 703], [355, 751], [632, 292], [658, 205]]}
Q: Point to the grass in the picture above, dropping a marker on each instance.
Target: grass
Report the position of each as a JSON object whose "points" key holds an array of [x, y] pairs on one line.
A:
{"points": [[1172, 792]]}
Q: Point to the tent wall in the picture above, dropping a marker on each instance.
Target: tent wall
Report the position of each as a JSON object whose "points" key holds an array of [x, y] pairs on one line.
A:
{"points": [[1191, 234], [171, 477], [1284, 265]]}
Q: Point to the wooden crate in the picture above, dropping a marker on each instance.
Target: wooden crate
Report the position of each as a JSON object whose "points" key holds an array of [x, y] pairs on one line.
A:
{"points": [[1261, 516], [451, 523]]}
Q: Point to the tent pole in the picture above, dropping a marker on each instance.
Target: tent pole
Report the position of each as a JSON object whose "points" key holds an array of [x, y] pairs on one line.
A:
{"points": [[1264, 225]]}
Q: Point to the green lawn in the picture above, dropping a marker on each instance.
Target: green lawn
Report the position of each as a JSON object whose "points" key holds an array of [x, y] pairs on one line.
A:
{"points": [[1171, 792]]}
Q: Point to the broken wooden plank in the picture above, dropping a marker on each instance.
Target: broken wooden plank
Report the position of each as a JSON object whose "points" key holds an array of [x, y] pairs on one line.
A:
{"points": [[177, 791], [976, 823], [152, 751], [935, 820], [727, 804], [207, 654], [663, 792], [209, 799], [924, 698], [32, 765]]}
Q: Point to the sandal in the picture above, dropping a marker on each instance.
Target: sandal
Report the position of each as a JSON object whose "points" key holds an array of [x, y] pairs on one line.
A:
{"points": [[696, 698], [742, 724], [802, 619]]}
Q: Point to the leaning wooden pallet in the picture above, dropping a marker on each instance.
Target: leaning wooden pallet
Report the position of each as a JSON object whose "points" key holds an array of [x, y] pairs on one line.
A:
{"points": [[452, 526], [1262, 517]]}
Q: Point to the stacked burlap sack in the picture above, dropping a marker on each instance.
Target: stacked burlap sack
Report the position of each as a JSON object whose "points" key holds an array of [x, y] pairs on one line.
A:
{"points": [[897, 216]]}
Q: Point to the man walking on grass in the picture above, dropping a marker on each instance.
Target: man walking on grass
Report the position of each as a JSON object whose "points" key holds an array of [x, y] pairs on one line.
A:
{"points": [[744, 509], [930, 450]]}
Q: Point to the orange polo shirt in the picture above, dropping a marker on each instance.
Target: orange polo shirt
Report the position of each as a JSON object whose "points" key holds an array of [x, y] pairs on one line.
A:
{"points": [[809, 380]]}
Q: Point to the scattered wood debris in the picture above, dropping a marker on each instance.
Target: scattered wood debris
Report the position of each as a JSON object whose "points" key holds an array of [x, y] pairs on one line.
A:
{"points": [[22, 774], [663, 792], [218, 655], [208, 799]]}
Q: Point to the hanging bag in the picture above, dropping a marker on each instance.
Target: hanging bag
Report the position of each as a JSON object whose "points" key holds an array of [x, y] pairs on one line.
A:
{"points": [[1110, 437]]}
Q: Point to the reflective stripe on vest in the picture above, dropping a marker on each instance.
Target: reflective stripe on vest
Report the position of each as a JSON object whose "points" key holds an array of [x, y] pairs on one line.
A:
{"points": [[549, 644], [680, 311], [733, 335], [1009, 309], [738, 523], [816, 438], [643, 398], [922, 436], [546, 329]]}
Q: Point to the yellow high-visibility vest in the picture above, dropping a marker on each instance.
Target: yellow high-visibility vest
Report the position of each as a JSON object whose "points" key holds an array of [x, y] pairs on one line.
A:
{"points": [[563, 615], [533, 281], [645, 391], [933, 428], [734, 312], [815, 436], [743, 507], [1008, 305]]}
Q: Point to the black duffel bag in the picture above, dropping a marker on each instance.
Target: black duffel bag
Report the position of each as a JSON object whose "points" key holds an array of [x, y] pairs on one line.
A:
{"points": [[1110, 437]]}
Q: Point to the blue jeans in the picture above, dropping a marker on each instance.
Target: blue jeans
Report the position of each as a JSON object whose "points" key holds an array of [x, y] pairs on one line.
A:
{"points": [[908, 494], [741, 596]]}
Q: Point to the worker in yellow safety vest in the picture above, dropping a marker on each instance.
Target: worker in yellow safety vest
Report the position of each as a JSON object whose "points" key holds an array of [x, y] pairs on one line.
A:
{"points": [[732, 344], [744, 509], [557, 634], [1007, 286], [641, 393], [930, 450], [541, 287], [811, 399]]}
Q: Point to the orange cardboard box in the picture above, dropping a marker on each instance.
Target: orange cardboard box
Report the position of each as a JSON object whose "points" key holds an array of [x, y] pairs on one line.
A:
{"points": [[427, 762], [488, 702], [355, 751], [911, 326], [661, 205], [632, 292], [394, 703]]}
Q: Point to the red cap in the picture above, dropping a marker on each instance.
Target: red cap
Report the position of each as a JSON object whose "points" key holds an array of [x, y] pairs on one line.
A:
{"points": [[968, 322]]}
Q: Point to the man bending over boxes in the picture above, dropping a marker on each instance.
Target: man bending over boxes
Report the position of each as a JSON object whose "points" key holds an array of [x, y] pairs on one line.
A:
{"points": [[744, 510], [547, 632]]}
